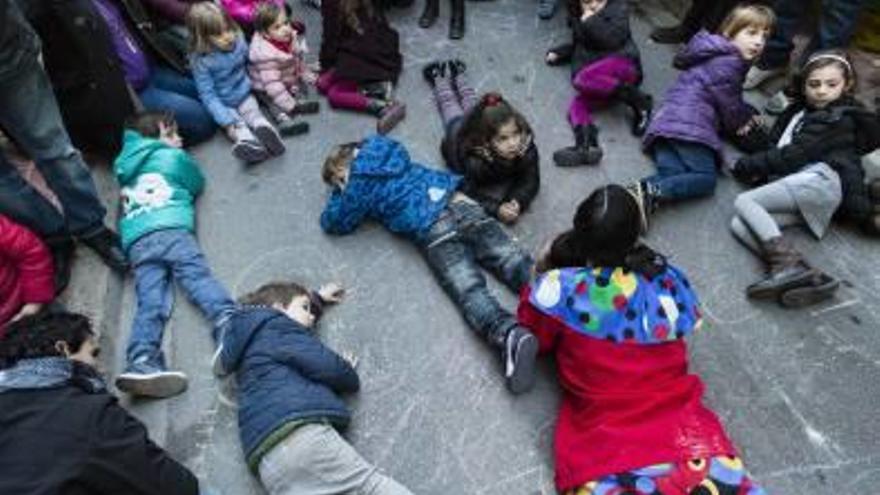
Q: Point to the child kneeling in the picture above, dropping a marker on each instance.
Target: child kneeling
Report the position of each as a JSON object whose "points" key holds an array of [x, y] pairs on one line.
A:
{"points": [[376, 179], [288, 387]]}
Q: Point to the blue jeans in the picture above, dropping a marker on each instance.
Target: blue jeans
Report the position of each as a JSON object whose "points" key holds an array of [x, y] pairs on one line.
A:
{"points": [[174, 92], [462, 239], [30, 115], [157, 258], [684, 170], [836, 27]]}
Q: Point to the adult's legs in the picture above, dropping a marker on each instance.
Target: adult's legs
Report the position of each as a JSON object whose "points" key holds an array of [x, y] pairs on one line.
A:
{"points": [[169, 90], [21, 202], [838, 22], [779, 46], [29, 113]]}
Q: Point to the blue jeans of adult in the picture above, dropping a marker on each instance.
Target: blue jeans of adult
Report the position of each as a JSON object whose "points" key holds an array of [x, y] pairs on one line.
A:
{"points": [[30, 115], [158, 258], [836, 26], [174, 92], [463, 239], [684, 170]]}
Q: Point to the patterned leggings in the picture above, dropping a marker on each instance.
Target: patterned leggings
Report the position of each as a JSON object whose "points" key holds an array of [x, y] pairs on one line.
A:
{"points": [[454, 97], [716, 476]]}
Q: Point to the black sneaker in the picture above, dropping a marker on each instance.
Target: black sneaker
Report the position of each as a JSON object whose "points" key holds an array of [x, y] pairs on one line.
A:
{"points": [[432, 71], [520, 351], [305, 107], [143, 378], [106, 244]]}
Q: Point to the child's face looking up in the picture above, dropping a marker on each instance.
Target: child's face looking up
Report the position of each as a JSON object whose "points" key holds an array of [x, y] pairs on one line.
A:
{"points": [[299, 310], [224, 41], [750, 42], [825, 85], [280, 30], [508, 140]]}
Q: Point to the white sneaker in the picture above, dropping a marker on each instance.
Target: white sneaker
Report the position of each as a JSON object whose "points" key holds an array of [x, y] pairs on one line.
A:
{"points": [[758, 76]]}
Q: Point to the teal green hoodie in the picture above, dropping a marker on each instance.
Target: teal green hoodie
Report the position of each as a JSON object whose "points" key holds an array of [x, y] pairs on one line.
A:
{"points": [[158, 184]]}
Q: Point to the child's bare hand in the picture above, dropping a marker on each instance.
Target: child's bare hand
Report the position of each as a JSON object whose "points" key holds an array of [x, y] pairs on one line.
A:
{"points": [[508, 212], [331, 293], [551, 57], [349, 358]]}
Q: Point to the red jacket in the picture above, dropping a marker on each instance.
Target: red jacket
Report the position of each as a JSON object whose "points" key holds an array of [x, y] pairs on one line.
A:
{"points": [[26, 274], [628, 399]]}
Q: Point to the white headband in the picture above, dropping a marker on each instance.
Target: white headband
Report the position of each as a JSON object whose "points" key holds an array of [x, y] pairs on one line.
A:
{"points": [[831, 56]]}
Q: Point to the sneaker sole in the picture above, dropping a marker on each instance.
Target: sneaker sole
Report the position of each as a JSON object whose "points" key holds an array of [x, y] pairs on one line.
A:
{"points": [[804, 280], [270, 139], [158, 385], [523, 377], [250, 152], [807, 296]]}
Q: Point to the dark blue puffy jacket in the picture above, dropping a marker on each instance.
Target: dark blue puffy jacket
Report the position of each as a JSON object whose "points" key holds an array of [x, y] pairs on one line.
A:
{"points": [[284, 374]]}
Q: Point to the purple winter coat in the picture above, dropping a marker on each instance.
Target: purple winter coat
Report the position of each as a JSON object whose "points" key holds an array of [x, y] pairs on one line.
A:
{"points": [[706, 99]]}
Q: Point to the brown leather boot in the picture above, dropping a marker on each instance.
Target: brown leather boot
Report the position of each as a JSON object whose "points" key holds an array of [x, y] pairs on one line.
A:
{"points": [[786, 269]]}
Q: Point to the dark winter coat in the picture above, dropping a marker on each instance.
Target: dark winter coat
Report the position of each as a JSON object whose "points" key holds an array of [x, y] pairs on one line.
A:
{"points": [[284, 373], [173, 11], [706, 99], [385, 185], [85, 71], [520, 178], [838, 135], [370, 55], [70, 437], [605, 33], [19, 44]]}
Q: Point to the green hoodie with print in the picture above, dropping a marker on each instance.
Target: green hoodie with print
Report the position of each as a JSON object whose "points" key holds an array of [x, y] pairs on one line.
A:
{"points": [[158, 184]]}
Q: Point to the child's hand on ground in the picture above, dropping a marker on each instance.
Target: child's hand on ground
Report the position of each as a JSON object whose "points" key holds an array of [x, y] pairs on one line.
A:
{"points": [[508, 212], [349, 358], [331, 293]]}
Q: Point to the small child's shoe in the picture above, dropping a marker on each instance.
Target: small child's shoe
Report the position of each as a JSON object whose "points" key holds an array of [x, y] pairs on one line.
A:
{"points": [[149, 379], [432, 71], [268, 135], [456, 66], [390, 116], [250, 151], [290, 127], [520, 352]]}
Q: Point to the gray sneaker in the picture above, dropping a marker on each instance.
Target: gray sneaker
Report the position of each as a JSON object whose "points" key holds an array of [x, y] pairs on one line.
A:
{"points": [[143, 378], [520, 352]]}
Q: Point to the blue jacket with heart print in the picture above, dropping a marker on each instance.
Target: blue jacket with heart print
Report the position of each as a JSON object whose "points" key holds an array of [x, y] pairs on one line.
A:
{"points": [[386, 186]]}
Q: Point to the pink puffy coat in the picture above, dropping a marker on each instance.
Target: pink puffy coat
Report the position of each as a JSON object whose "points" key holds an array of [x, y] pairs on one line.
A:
{"points": [[244, 11], [278, 73], [26, 274]]}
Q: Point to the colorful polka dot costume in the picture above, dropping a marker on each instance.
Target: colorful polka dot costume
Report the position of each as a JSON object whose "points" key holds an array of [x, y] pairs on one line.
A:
{"points": [[612, 304]]}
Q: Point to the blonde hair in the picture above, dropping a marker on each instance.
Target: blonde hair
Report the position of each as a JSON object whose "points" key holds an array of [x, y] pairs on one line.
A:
{"points": [[339, 159], [204, 20], [745, 16]]}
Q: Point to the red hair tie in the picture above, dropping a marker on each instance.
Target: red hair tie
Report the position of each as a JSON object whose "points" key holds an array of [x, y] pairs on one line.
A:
{"points": [[491, 99]]}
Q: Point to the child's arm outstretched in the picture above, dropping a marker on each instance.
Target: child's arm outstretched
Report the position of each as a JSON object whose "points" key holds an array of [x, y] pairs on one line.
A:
{"points": [[223, 115]]}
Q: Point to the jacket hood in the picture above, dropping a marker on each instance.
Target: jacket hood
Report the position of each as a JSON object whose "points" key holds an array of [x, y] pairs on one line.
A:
{"points": [[380, 157], [136, 149], [241, 329], [703, 47]]}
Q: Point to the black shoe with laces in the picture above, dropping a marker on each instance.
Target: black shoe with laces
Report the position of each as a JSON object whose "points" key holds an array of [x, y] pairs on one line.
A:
{"points": [[432, 71], [456, 66], [106, 244]]}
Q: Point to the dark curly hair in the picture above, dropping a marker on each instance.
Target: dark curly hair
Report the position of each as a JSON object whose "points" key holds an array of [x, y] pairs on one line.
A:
{"points": [[820, 60], [605, 233], [483, 122], [36, 336]]}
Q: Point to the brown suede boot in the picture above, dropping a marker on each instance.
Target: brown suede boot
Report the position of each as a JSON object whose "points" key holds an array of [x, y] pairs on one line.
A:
{"points": [[786, 269]]}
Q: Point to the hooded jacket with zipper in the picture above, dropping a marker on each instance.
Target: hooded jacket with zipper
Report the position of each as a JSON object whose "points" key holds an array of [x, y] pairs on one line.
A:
{"points": [[61, 433], [158, 184], [284, 374], [705, 102], [839, 135]]}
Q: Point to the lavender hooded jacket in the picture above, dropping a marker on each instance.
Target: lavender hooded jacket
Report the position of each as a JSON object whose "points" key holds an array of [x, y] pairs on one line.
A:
{"points": [[706, 100]]}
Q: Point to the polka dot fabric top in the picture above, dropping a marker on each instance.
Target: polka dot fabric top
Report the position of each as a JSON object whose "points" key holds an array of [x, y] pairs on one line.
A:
{"points": [[619, 305]]}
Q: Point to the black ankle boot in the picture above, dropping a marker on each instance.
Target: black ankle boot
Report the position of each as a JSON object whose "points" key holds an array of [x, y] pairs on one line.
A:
{"points": [[434, 70], [585, 151], [456, 67], [429, 15], [106, 244], [641, 104], [456, 20], [786, 270]]}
